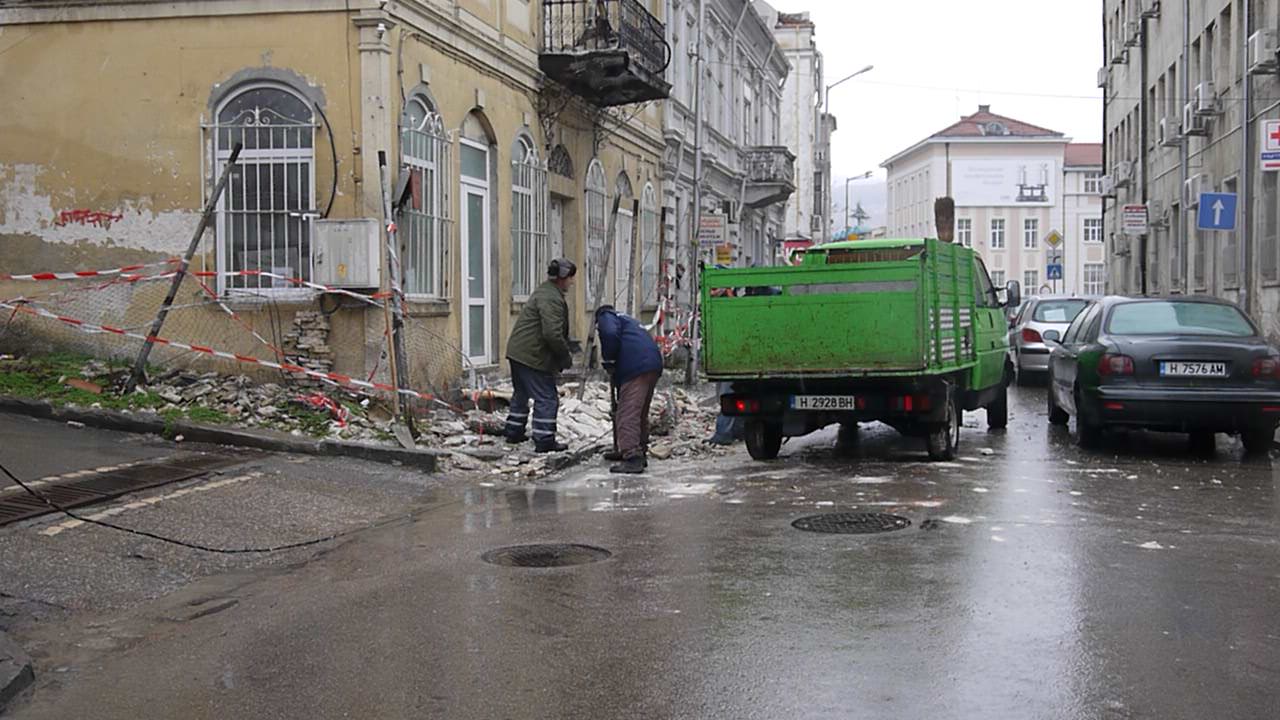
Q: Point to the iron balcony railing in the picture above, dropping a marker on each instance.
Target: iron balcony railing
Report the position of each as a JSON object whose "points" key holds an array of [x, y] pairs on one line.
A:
{"points": [[575, 27], [772, 164]]}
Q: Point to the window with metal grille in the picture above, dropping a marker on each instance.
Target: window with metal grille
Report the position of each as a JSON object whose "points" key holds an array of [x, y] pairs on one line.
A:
{"points": [[1095, 275], [597, 226], [265, 212], [425, 219], [997, 234], [650, 253], [1177, 266], [1228, 258], [964, 231], [1270, 209], [1093, 230], [1030, 234], [1198, 260], [529, 201]]}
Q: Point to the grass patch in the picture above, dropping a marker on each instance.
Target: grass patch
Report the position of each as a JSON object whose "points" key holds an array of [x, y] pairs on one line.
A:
{"points": [[44, 378]]}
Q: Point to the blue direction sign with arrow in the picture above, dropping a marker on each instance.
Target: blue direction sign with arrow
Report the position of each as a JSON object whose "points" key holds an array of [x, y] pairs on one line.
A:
{"points": [[1217, 211]]}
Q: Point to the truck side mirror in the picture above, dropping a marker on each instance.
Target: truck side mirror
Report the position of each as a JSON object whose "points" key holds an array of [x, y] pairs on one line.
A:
{"points": [[1013, 294]]}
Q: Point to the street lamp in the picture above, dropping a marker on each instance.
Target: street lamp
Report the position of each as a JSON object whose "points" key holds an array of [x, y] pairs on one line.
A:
{"points": [[822, 134], [848, 180]]}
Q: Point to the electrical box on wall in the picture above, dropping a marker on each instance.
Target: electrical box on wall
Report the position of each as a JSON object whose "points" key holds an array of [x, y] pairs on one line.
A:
{"points": [[347, 253]]}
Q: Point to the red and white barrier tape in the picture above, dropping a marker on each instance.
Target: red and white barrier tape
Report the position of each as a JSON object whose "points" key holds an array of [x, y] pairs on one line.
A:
{"points": [[371, 299], [83, 274], [332, 377]]}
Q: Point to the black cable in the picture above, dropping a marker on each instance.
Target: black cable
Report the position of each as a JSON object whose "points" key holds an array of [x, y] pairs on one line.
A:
{"points": [[333, 150], [205, 548]]}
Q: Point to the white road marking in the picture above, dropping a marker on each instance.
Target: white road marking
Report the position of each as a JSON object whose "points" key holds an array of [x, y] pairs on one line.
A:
{"points": [[69, 524]]}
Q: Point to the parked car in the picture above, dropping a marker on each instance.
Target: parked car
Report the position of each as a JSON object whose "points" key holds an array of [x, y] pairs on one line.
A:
{"points": [[1026, 335], [1177, 364]]}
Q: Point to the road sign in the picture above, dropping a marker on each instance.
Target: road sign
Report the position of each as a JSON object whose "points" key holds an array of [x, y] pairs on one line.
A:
{"points": [[1053, 272], [1053, 239], [713, 230], [1270, 145], [1134, 220], [1217, 211]]}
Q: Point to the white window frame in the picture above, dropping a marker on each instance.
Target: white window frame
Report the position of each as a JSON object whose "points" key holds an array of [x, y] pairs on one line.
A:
{"points": [[996, 236], [597, 226], [964, 231], [1093, 183], [1030, 280], [1095, 285], [997, 279], [1031, 233], [1092, 230], [650, 262], [530, 198], [426, 152], [256, 157]]}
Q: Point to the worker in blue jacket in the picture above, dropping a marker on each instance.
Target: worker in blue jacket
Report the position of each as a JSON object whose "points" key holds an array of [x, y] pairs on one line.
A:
{"points": [[634, 362]]}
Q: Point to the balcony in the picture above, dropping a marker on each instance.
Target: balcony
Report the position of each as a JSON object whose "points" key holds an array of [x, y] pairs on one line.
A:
{"points": [[610, 52], [771, 176]]}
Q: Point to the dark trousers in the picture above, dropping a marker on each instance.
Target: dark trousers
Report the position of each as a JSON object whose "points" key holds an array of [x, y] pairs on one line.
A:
{"points": [[541, 388], [631, 420]]}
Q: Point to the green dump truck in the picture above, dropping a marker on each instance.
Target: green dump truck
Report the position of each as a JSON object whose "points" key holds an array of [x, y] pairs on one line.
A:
{"points": [[910, 333]]}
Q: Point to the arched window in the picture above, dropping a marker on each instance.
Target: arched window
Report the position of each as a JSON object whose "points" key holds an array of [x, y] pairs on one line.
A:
{"points": [[624, 251], [529, 199], [424, 232], [650, 253], [265, 212], [597, 227], [559, 162]]}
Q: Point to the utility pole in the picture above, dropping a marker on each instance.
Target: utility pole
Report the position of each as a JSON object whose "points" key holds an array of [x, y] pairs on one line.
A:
{"points": [[695, 251]]}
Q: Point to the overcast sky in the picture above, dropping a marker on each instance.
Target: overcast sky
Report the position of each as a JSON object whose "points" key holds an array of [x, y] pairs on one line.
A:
{"points": [[935, 60]]}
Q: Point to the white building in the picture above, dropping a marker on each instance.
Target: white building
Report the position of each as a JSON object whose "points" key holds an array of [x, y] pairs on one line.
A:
{"points": [[748, 172], [1187, 97], [1013, 183], [807, 211]]}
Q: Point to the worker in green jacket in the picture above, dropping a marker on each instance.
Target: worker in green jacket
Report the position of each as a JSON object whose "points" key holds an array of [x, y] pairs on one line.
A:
{"points": [[539, 349]]}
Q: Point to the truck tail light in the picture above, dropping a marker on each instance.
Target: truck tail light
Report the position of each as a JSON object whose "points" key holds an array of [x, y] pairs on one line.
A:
{"points": [[1111, 364], [1267, 367], [746, 406], [914, 403], [1031, 336]]}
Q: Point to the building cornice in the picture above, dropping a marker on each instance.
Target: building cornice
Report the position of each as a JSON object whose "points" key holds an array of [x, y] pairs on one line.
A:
{"points": [[984, 140]]}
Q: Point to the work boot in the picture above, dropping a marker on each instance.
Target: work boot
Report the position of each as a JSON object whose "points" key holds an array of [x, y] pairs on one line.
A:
{"points": [[614, 456], [517, 439], [553, 446], [630, 466]]}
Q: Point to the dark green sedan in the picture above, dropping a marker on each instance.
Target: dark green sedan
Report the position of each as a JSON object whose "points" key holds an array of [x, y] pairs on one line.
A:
{"points": [[1176, 364]]}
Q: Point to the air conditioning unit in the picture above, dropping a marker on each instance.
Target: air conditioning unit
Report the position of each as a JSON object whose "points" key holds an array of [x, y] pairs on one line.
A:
{"points": [[1207, 99], [1120, 245], [346, 253], [1120, 58], [1169, 135], [1122, 174], [1151, 9], [1194, 125], [1264, 52], [1155, 214], [1104, 76], [1197, 185], [1132, 33], [1108, 186]]}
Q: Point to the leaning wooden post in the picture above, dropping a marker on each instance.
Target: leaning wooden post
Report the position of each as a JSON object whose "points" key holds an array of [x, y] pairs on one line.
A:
{"points": [[399, 360], [140, 365]]}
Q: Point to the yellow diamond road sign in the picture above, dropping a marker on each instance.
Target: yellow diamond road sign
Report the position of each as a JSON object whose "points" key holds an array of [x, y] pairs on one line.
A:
{"points": [[1053, 239]]}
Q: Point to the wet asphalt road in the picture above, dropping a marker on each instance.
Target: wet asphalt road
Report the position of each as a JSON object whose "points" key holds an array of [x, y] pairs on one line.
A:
{"points": [[1036, 581]]}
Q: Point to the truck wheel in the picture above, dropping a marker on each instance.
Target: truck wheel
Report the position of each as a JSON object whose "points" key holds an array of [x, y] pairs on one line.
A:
{"points": [[1057, 416], [1258, 441], [998, 411], [764, 439], [944, 438], [847, 439]]}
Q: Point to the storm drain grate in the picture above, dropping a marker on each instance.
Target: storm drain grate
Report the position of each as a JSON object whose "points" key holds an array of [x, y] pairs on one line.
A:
{"points": [[545, 555], [851, 523]]}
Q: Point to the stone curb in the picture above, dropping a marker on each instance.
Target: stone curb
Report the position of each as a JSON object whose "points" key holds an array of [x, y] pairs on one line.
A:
{"points": [[152, 424], [16, 674]]}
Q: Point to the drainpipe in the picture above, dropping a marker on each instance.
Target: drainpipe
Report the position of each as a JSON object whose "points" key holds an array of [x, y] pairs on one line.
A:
{"points": [[1105, 102], [1185, 161], [1143, 133], [1244, 253], [693, 270]]}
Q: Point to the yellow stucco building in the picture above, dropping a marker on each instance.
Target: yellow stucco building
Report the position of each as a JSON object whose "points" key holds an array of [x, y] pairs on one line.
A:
{"points": [[510, 128]]}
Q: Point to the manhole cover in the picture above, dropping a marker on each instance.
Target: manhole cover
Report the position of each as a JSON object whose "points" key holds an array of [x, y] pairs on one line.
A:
{"points": [[545, 555], [851, 523]]}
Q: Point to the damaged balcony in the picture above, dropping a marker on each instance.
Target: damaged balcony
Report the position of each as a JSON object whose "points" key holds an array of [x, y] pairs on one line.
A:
{"points": [[771, 176], [610, 52]]}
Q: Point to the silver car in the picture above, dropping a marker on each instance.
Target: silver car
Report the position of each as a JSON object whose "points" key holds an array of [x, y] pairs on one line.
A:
{"points": [[1026, 333]]}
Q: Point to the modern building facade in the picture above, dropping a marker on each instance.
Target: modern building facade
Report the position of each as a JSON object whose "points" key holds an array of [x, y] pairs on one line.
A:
{"points": [[1189, 88], [1014, 184], [513, 125], [748, 172], [808, 210]]}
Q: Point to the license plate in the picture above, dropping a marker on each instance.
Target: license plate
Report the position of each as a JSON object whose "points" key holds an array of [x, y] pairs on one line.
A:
{"points": [[1193, 369], [823, 402]]}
